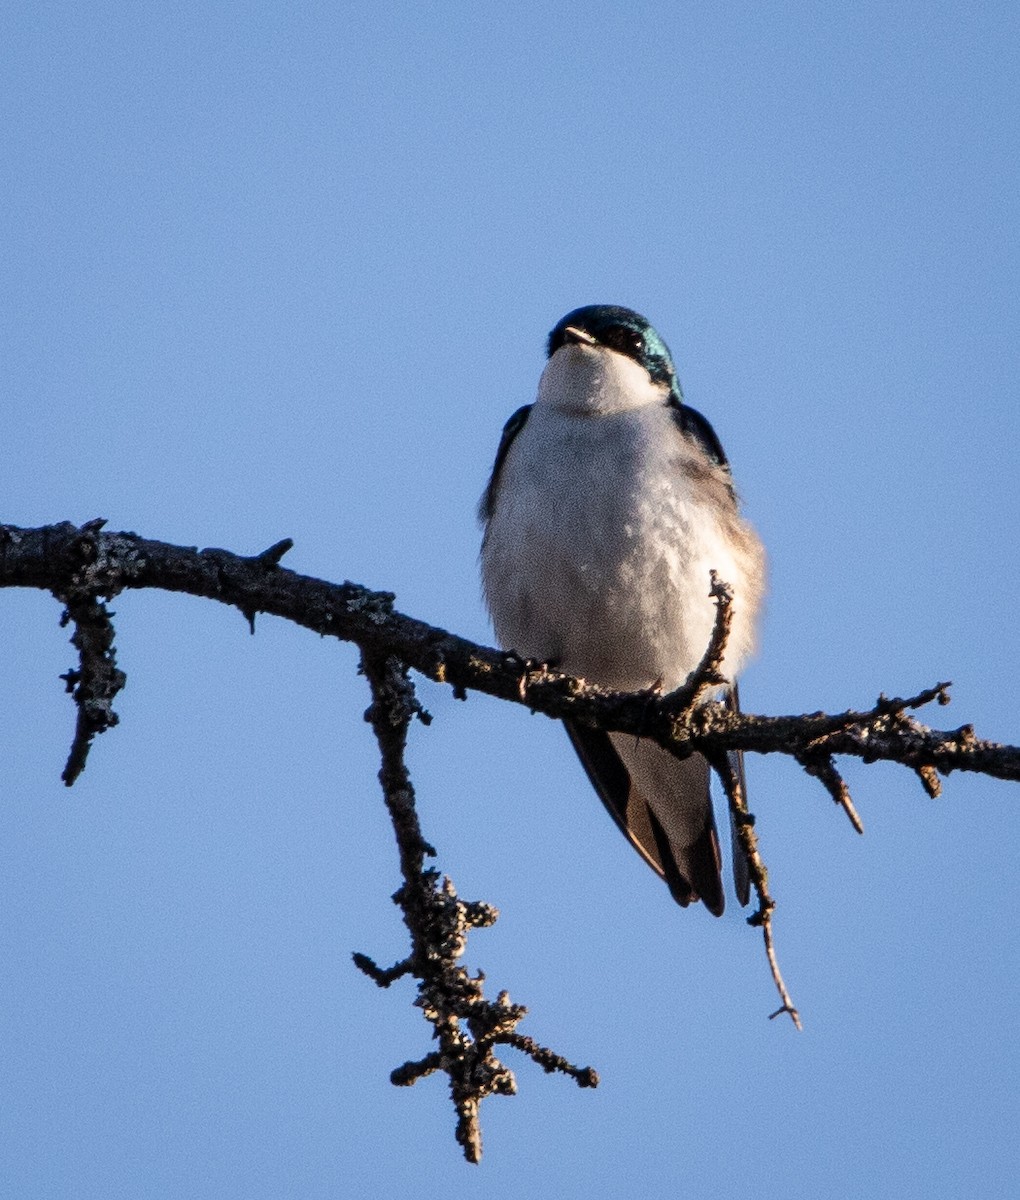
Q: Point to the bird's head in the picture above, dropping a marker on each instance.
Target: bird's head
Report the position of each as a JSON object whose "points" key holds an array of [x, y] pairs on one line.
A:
{"points": [[622, 330]]}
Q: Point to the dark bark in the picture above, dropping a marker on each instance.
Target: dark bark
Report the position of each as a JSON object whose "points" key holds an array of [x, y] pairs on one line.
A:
{"points": [[85, 567]]}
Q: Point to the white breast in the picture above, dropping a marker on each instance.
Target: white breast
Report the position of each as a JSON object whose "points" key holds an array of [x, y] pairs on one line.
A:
{"points": [[607, 525]]}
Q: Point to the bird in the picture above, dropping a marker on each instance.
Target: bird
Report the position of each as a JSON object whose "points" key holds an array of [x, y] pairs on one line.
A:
{"points": [[609, 504]]}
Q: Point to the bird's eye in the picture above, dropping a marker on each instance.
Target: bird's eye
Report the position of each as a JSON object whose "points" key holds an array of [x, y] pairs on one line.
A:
{"points": [[624, 339]]}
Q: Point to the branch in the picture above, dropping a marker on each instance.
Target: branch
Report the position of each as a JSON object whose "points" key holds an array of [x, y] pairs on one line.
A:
{"points": [[743, 823], [50, 558], [84, 567], [465, 1024]]}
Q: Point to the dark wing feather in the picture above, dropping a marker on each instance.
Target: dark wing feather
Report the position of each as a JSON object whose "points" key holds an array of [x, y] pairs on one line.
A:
{"points": [[699, 428], [510, 430], [690, 868]]}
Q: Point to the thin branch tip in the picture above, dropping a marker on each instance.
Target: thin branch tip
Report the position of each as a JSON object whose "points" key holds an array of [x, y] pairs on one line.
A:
{"points": [[97, 679], [381, 976], [930, 781], [272, 556], [747, 839], [792, 1013], [823, 768]]}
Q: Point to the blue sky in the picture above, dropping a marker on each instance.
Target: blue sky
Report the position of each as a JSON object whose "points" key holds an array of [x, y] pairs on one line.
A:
{"points": [[275, 270]]}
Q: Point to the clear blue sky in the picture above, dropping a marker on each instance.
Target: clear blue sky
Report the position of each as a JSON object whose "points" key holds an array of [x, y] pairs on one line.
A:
{"points": [[273, 270]]}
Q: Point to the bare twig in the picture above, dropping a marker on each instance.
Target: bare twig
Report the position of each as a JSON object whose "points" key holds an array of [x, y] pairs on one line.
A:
{"points": [[96, 680], [930, 781], [823, 768], [743, 823], [466, 1025], [708, 674]]}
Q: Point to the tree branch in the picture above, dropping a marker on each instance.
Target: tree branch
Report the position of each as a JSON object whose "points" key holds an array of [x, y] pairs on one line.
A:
{"points": [[84, 567], [50, 558], [465, 1024]]}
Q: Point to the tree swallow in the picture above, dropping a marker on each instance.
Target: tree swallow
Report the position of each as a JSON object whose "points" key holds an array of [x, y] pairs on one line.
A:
{"points": [[609, 505]]}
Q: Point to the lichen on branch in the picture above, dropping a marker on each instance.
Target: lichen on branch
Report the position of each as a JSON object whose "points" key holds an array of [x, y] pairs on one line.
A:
{"points": [[85, 566]]}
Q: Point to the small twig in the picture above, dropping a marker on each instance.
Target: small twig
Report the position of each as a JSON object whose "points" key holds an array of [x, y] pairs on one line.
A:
{"points": [[95, 682], [823, 769], [707, 675], [930, 781], [97, 679], [272, 556], [549, 1061], [701, 681], [748, 840], [466, 1025], [410, 1072], [827, 729], [939, 692], [383, 976]]}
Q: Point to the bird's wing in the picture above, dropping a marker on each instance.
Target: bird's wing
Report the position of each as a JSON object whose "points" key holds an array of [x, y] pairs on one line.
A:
{"points": [[510, 430], [698, 427], [662, 806]]}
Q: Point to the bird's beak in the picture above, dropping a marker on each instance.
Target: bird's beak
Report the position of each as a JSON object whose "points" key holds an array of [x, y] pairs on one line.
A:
{"points": [[581, 336]]}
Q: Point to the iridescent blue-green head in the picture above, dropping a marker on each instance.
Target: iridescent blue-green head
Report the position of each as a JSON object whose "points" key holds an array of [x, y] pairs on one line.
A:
{"points": [[623, 330]]}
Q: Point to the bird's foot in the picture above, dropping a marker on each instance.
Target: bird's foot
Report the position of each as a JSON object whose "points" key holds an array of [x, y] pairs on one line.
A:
{"points": [[530, 669]]}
